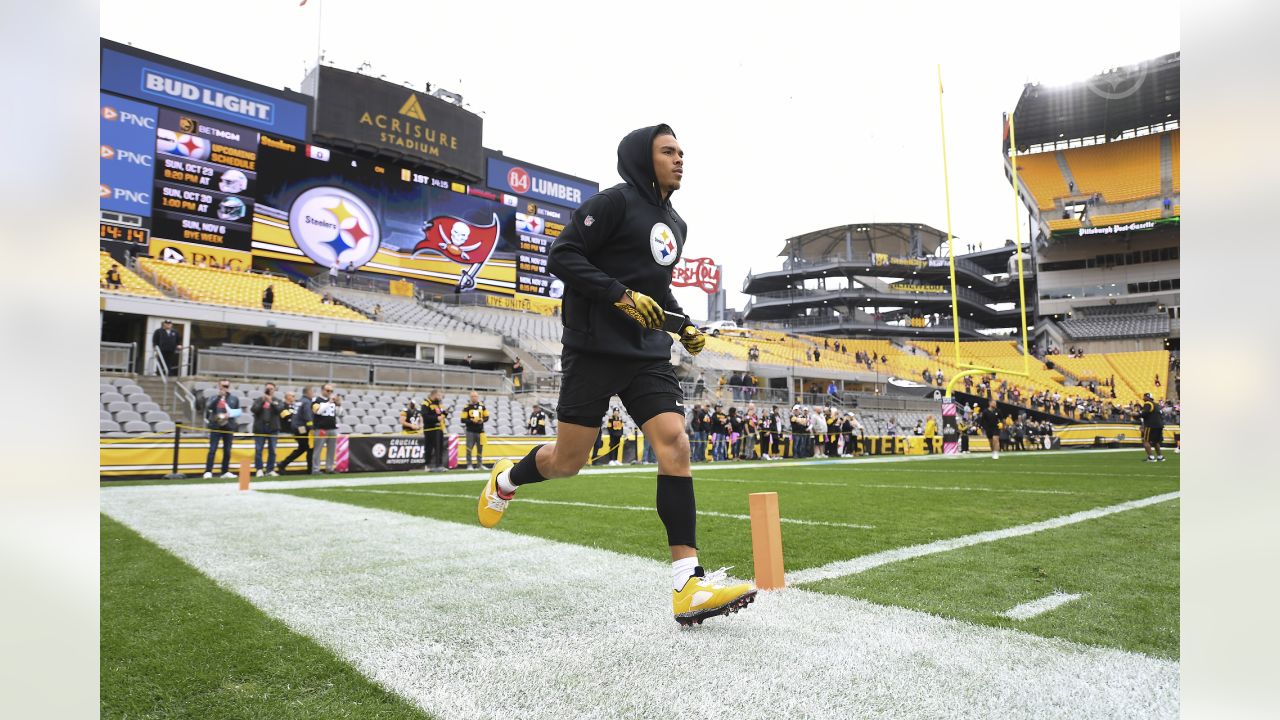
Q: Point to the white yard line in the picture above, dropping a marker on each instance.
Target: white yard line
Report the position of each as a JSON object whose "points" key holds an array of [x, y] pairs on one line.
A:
{"points": [[1002, 471], [841, 568], [1028, 610], [962, 489], [571, 503], [474, 623]]}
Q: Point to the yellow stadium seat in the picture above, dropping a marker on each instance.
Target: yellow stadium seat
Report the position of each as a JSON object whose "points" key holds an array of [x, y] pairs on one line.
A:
{"points": [[130, 282], [1121, 171], [1128, 217], [1043, 177], [230, 287]]}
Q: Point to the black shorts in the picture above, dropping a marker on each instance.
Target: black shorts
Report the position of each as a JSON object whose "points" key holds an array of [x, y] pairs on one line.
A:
{"points": [[1153, 435], [991, 432], [646, 387]]}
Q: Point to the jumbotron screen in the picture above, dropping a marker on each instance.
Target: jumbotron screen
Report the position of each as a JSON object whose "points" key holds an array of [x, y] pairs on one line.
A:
{"points": [[336, 210]]}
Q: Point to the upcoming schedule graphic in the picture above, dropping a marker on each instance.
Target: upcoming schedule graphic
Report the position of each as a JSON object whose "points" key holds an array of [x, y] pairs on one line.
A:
{"points": [[206, 175], [538, 225]]}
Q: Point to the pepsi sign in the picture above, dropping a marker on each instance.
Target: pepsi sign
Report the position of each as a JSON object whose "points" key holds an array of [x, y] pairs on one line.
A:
{"points": [[531, 182]]}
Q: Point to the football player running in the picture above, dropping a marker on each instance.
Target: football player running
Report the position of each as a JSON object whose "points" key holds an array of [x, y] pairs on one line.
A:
{"points": [[616, 257]]}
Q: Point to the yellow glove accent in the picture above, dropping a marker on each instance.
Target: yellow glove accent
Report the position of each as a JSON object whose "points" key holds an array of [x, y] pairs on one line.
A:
{"points": [[643, 309], [692, 339]]}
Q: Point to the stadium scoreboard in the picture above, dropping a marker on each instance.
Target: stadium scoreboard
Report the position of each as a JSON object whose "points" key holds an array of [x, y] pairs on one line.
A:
{"points": [[206, 171]]}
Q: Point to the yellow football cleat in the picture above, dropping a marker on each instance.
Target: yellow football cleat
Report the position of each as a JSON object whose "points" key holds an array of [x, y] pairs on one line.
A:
{"points": [[492, 504], [702, 598]]}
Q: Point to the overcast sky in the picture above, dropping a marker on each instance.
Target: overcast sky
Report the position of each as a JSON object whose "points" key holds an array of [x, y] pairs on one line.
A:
{"points": [[796, 120]]}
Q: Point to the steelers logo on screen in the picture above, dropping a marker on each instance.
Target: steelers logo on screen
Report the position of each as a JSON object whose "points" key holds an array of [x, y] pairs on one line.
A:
{"points": [[334, 227]]}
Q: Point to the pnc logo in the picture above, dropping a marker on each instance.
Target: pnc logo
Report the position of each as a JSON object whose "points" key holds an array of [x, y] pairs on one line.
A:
{"points": [[109, 113], [518, 180], [107, 152], [104, 191]]}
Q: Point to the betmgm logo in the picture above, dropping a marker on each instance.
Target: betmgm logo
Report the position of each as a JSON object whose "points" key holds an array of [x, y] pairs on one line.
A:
{"points": [[334, 227]]}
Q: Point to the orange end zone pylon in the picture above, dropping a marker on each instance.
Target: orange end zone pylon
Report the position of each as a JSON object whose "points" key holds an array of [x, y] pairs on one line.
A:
{"points": [[766, 540]]}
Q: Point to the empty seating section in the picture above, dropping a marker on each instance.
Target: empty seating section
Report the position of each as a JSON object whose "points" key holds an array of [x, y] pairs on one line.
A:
{"points": [[1135, 372], [1177, 161], [401, 311], [1043, 177], [1120, 309], [1126, 217], [1116, 326], [228, 287], [1064, 224], [124, 409], [537, 333], [130, 282], [1121, 171]]}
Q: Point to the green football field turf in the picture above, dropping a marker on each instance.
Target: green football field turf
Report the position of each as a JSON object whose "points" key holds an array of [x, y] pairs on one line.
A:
{"points": [[1125, 565], [175, 645]]}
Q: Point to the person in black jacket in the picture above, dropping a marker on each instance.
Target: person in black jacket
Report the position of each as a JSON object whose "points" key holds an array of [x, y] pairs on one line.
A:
{"points": [[1152, 419], [268, 297], [435, 419], [474, 416], [266, 425], [166, 339], [990, 422], [615, 257], [537, 424], [219, 417], [300, 420]]}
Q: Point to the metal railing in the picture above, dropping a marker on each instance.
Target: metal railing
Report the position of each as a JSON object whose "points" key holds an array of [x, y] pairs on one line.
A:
{"points": [[801, 293], [116, 357], [251, 361], [161, 365]]}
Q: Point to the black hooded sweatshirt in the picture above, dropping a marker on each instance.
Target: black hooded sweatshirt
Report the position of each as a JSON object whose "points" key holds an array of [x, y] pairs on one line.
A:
{"points": [[624, 237]]}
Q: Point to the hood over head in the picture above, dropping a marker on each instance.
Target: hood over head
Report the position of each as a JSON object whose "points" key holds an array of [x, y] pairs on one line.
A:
{"points": [[635, 160]]}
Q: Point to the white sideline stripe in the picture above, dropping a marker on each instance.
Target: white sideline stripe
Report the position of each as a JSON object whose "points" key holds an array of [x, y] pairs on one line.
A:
{"points": [[964, 488], [571, 503], [953, 471], [698, 469], [434, 611], [1028, 610], [866, 562]]}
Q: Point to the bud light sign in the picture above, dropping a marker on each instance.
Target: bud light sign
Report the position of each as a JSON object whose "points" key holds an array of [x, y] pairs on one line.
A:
{"points": [[702, 273], [531, 182]]}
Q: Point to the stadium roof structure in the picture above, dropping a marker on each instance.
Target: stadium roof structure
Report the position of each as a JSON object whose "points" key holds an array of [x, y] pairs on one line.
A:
{"points": [[861, 238], [1107, 104]]}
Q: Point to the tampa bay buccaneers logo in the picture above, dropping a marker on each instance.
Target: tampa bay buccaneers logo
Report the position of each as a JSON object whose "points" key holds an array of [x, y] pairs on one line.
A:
{"points": [[461, 242]]}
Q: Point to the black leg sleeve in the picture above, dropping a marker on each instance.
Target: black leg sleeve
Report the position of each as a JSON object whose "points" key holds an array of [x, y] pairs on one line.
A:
{"points": [[677, 509], [526, 471]]}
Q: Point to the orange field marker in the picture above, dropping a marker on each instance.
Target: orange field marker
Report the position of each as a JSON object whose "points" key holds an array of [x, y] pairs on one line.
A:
{"points": [[244, 474], [766, 540]]}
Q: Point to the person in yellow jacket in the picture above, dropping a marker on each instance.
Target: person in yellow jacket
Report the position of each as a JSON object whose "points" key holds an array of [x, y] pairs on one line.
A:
{"points": [[930, 432]]}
